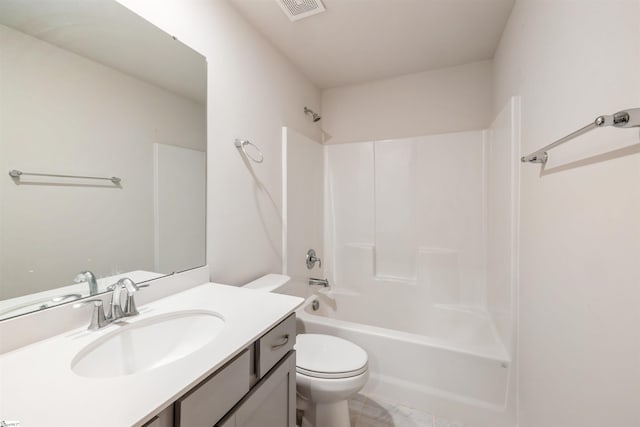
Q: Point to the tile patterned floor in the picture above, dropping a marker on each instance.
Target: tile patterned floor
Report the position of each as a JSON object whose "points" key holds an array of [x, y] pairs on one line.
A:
{"points": [[366, 412]]}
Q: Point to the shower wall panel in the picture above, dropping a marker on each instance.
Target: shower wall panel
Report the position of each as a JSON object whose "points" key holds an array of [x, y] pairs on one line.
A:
{"points": [[502, 212], [410, 211], [302, 191], [349, 214]]}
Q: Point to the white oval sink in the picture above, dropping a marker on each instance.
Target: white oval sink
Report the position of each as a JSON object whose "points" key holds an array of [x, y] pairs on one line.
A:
{"points": [[147, 344]]}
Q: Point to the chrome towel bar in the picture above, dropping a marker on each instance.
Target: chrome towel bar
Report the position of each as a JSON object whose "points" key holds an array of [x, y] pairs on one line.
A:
{"points": [[622, 119], [14, 173]]}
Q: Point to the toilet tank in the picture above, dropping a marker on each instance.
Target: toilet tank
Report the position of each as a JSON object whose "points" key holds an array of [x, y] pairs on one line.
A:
{"points": [[269, 283]]}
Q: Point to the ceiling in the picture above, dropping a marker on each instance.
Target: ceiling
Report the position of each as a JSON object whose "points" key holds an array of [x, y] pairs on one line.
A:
{"points": [[362, 40], [109, 33]]}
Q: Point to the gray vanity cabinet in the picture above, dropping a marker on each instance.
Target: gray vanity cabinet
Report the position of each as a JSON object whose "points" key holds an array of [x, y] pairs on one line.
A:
{"points": [[207, 403], [257, 388], [271, 403]]}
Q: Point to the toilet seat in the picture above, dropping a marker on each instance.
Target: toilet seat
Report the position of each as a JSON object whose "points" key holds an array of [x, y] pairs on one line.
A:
{"points": [[331, 375], [329, 357]]}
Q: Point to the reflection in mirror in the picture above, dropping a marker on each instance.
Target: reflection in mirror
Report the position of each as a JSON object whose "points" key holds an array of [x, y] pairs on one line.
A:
{"points": [[90, 89]]}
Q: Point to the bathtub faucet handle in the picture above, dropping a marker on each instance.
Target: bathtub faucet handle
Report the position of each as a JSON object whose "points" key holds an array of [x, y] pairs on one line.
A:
{"points": [[312, 259]]}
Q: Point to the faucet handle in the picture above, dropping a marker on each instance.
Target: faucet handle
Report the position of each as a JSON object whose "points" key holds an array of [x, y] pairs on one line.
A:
{"points": [[98, 319], [128, 284], [130, 303], [115, 308], [312, 259]]}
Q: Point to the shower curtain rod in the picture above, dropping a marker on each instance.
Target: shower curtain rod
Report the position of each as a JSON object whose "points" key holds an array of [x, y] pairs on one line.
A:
{"points": [[622, 119]]}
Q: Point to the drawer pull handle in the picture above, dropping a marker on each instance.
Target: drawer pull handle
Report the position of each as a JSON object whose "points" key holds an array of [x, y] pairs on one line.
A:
{"points": [[282, 343]]}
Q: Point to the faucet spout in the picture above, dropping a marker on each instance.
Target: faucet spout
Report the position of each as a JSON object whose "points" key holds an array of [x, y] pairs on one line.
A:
{"points": [[320, 282], [90, 278]]}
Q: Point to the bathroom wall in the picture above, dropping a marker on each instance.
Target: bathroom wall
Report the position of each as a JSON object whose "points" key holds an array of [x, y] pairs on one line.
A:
{"points": [[432, 102], [579, 351], [51, 108], [303, 180], [253, 90]]}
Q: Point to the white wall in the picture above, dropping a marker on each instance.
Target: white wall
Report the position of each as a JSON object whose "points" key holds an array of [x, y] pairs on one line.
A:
{"points": [[432, 102], [579, 351], [62, 113], [252, 92]]}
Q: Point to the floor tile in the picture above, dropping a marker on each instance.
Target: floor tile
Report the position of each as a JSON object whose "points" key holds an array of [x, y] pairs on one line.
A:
{"points": [[441, 422], [367, 412]]}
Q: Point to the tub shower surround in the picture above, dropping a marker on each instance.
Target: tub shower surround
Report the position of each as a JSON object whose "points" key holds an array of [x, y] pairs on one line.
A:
{"points": [[420, 252]]}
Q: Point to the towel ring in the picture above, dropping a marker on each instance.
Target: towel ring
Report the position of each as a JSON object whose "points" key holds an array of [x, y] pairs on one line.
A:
{"points": [[241, 145]]}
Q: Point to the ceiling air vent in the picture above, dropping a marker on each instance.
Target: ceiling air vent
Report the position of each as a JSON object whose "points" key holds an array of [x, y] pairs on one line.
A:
{"points": [[298, 9]]}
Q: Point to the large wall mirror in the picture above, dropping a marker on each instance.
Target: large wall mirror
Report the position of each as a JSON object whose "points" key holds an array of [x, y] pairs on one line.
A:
{"points": [[90, 90]]}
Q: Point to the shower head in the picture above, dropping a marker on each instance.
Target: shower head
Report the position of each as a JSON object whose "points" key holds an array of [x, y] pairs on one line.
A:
{"points": [[314, 116]]}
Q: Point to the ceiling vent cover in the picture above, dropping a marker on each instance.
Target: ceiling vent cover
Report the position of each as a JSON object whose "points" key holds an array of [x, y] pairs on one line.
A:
{"points": [[298, 9]]}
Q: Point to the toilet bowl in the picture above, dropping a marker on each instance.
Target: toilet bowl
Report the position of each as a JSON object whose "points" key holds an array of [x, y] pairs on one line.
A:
{"points": [[329, 371]]}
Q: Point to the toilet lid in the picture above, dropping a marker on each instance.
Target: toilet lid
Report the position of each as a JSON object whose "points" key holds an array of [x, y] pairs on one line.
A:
{"points": [[326, 356]]}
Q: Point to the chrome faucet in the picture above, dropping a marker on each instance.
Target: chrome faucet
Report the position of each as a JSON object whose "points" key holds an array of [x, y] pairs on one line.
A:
{"points": [[115, 306], [319, 282], [130, 303], [117, 311], [98, 319], [87, 276]]}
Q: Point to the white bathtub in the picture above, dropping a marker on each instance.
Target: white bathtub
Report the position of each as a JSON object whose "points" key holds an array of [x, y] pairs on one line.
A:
{"points": [[438, 358]]}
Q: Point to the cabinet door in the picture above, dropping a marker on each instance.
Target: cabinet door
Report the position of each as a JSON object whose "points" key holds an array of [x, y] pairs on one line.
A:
{"points": [[207, 403], [272, 402], [163, 419]]}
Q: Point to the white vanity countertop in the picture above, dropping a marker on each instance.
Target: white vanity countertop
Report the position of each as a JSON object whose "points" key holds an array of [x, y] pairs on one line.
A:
{"points": [[38, 387]]}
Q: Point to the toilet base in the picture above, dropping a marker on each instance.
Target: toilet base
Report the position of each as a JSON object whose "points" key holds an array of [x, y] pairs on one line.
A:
{"points": [[334, 414]]}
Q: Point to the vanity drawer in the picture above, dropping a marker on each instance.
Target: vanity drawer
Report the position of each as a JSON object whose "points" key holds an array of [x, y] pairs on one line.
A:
{"points": [[275, 344], [207, 403]]}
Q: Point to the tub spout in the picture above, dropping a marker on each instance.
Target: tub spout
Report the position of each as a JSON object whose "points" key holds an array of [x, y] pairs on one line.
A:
{"points": [[319, 282]]}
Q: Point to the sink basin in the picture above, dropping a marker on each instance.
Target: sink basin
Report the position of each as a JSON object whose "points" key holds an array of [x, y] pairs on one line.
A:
{"points": [[147, 344]]}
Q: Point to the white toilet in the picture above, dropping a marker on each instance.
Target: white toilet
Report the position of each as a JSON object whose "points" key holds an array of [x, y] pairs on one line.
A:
{"points": [[329, 370]]}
